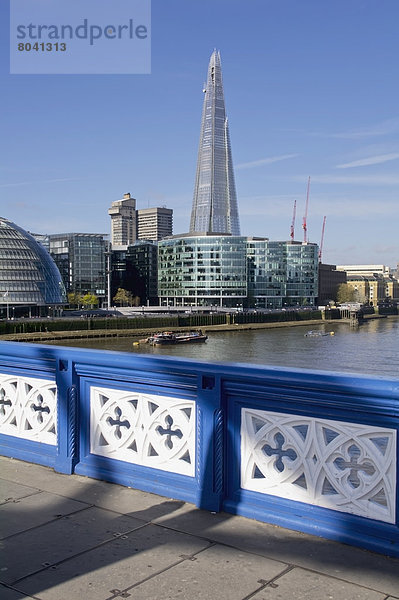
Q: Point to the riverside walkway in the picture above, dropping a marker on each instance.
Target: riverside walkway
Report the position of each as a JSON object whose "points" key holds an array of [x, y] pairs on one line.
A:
{"points": [[68, 537]]}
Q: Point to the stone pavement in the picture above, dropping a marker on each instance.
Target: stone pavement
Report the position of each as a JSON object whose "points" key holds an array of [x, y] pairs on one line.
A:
{"points": [[72, 538]]}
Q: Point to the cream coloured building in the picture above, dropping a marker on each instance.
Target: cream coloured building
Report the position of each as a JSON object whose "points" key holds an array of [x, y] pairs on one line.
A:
{"points": [[123, 221]]}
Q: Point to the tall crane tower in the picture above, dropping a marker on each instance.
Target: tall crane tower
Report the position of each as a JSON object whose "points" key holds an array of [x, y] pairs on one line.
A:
{"points": [[322, 239], [305, 217], [292, 233]]}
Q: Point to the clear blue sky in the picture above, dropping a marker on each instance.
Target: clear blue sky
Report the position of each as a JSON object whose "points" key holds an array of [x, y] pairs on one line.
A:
{"points": [[311, 89]]}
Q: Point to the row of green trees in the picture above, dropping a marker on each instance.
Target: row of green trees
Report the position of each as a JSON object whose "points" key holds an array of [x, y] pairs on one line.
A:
{"points": [[86, 300], [121, 298]]}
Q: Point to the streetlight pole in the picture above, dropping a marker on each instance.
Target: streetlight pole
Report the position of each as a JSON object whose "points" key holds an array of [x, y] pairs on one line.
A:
{"points": [[5, 295], [108, 255]]}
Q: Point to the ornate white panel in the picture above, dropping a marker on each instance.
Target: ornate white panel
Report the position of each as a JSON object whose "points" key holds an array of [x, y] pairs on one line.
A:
{"points": [[343, 466], [28, 408], [145, 429]]}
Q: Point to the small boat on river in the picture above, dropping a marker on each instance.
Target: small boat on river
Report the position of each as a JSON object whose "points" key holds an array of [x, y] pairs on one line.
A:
{"points": [[169, 337], [318, 333]]}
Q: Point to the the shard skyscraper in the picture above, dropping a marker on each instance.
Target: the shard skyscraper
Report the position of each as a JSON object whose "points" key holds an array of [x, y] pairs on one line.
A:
{"points": [[215, 201]]}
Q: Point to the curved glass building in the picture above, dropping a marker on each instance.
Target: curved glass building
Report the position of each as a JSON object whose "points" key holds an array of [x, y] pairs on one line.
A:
{"points": [[28, 274]]}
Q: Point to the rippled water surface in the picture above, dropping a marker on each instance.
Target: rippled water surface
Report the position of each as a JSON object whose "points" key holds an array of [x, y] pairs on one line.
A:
{"points": [[372, 348]]}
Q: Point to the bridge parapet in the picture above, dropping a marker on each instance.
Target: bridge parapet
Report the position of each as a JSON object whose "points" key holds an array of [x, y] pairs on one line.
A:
{"points": [[308, 450]]}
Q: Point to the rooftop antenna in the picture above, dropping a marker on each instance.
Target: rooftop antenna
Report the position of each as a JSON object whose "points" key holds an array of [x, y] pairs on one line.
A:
{"points": [[292, 233], [322, 239], [305, 218]]}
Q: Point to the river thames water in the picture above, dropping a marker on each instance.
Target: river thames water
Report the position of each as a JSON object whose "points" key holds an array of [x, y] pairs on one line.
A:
{"points": [[372, 348]]}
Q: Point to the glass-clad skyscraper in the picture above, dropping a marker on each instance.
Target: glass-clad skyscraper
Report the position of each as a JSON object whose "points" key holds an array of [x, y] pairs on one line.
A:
{"points": [[215, 201]]}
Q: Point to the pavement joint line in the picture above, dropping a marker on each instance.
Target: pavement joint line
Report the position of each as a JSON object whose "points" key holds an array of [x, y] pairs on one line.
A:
{"points": [[212, 541], [55, 565], [270, 557], [25, 595], [269, 583], [364, 587], [184, 557], [12, 500], [56, 518]]}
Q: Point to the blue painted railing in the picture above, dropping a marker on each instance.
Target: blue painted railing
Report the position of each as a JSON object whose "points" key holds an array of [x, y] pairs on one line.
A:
{"points": [[311, 451]]}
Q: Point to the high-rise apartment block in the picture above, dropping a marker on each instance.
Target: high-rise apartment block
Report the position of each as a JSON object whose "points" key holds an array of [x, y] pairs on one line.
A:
{"points": [[214, 207], [123, 221], [154, 224]]}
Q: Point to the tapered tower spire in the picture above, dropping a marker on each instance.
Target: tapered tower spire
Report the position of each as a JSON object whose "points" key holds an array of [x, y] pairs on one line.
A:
{"points": [[215, 201]]}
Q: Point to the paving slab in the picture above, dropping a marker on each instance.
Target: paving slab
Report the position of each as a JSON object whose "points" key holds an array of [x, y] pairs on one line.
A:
{"points": [[35, 510], [57, 530], [9, 594], [10, 491], [209, 575], [92, 491], [120, 564], [61, 539], [331, 558], [299, 584]]}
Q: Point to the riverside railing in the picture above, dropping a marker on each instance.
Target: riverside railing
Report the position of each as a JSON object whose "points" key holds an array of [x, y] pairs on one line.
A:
{"points": [[311, 451]]}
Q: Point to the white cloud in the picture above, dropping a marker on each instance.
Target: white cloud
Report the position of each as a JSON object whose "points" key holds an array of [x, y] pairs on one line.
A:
{"points": [[265, 161], [352, 179], [20, 183], [372, 160], [387, 127], [281, 206]]}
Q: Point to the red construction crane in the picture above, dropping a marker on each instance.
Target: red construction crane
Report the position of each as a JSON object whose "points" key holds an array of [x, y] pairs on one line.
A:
{"points": [[322, 238], [305, 218], [292, 234]]}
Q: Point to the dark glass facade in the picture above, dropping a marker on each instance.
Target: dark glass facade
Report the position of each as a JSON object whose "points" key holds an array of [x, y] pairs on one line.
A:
{"points": [[28, 274], [135, 270], [80, 258]]}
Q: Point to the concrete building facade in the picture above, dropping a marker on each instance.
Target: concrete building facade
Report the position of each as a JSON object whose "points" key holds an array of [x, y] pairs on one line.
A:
{"points": [[123, 221], [364, 270], [154, 224]]}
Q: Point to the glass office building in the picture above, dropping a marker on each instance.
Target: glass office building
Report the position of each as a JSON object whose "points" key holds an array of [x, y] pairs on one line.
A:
{"points": [[214, 207], [28, 275], [80, 258], [281, 273], [204, 270], [135, 270], [236, 272]]}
